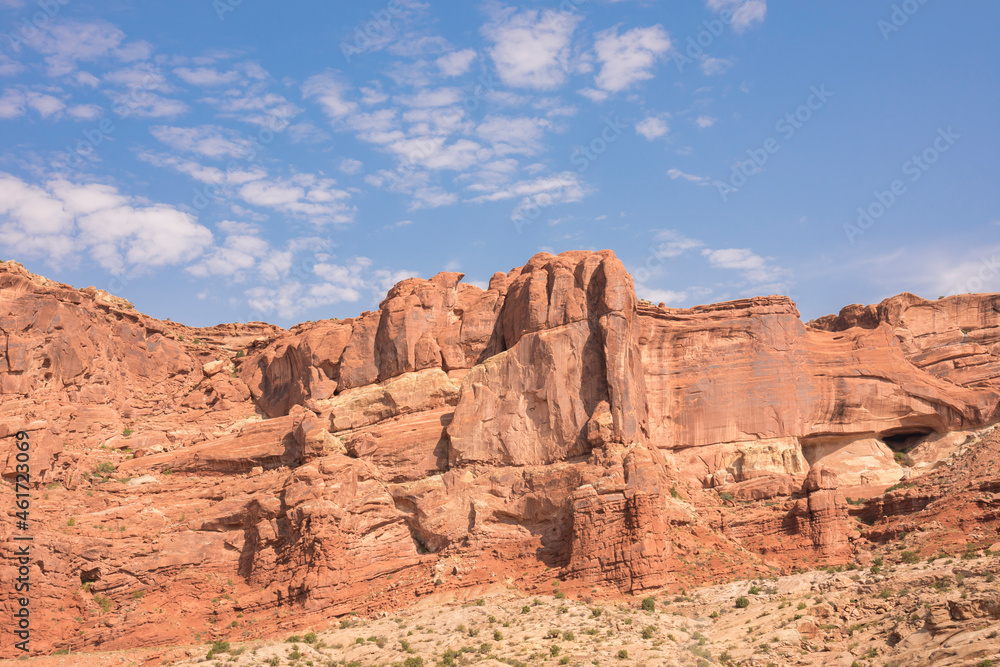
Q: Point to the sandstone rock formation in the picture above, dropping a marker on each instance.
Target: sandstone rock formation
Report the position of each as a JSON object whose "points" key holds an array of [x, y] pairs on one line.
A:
{"points": [[457, 438]]}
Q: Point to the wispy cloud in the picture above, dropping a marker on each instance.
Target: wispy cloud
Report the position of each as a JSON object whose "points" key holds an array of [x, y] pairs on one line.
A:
{"points": [[63, 220], [745, 13], [629, 57], [531, 48]]}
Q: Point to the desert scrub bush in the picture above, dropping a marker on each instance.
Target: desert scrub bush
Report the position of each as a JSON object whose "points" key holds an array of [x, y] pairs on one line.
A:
{"points": [[552, 634], [596, 611], [568, 636], [725, 496], [414, 661], [649, 604], [127, 431], [742, 602], [497, 635], [754, 590], [622, 654], [525, 609], [909, 557], [897, 487], [648, 631], [105, 468]]}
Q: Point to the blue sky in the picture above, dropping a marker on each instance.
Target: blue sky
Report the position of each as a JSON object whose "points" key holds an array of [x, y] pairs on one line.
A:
{"points": [[223, 161]]}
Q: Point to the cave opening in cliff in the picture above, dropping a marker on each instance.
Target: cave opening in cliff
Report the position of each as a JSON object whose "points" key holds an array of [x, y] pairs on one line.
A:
{"points": [[903, 440]]}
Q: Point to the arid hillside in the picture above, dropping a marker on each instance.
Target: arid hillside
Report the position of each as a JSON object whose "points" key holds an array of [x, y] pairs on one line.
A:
{"points": [[243, 482]]}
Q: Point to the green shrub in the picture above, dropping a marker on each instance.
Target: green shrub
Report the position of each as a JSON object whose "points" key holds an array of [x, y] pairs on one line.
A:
{"points": [[104, 601], [414, 661], [525, 609], [909, 557], [220, 646], [649, 604], [725, 495], [742, 602], [127, 431], [105, 468], [648, 631]]}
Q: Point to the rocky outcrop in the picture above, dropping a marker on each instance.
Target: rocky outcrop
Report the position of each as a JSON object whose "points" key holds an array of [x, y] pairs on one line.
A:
{"points": [[548, 426]]}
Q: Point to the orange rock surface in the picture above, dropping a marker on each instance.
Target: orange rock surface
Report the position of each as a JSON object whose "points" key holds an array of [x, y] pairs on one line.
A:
{"points": [[203, 482]]}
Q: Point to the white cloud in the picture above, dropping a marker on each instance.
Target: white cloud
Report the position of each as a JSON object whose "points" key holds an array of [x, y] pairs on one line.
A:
{"points": [[531, 48], [755, 269], [64, 219], [141, 77], [436, 154], [45, 105], [432, 97], [330, 90], [211, 141], [652, 127], [431, 197], [15, 102], [456, 63], [350, 165], [542, 192], [9, 66], [85, 111], [12, 103], [704, 121], [712, 66], [203, 173], [144, 104], [509, 135], [745, 13], [675, 173], [314, 198], [306, 133], [672, 243], [336, 283], [67, 42], [629, 57], [240, 253], [255, 104], [373, 94], [206, 76]]}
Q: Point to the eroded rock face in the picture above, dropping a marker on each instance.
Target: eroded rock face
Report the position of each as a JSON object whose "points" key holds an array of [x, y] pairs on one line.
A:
{"points": [[550, 425]]}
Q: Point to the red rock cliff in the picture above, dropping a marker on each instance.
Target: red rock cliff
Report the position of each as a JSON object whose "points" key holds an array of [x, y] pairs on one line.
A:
{"points": [[456, 438]]}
